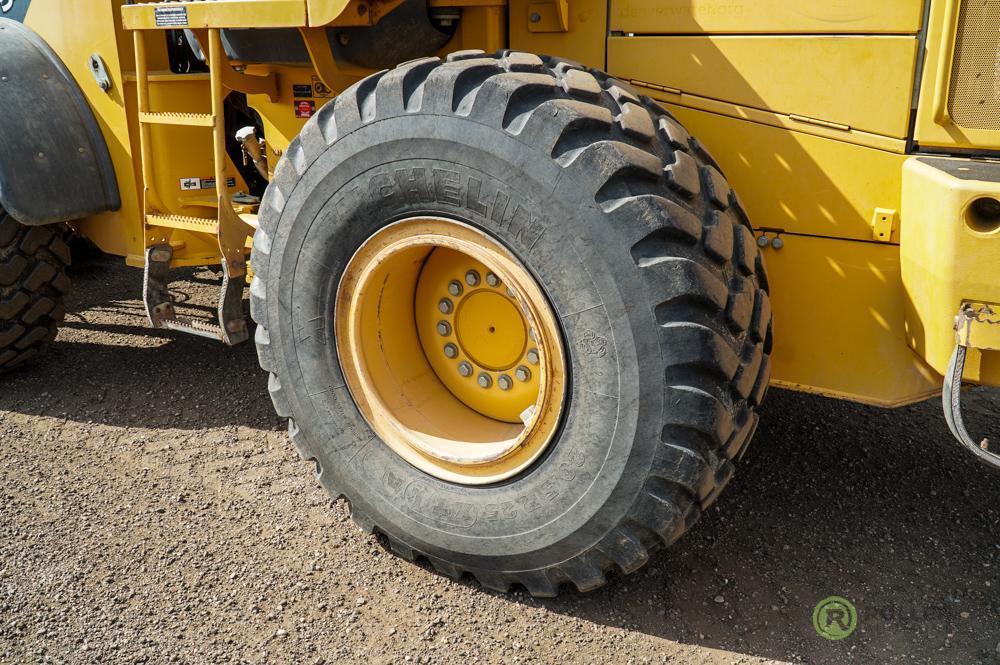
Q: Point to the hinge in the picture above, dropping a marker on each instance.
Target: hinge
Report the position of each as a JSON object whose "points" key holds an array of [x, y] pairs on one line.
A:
{"points": [[883, 224], [655, 86], [820, 123]]}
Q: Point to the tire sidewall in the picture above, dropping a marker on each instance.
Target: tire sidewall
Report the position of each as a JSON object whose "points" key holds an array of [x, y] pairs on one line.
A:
{"points": [[597, 463]]}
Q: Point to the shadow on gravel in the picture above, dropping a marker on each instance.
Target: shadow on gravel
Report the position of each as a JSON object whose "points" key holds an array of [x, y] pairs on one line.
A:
{"points": [[880, 507], [113, 369]]}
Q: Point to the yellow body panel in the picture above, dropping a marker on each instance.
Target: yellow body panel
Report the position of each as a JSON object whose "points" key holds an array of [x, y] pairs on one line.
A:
{"points": [[839, 322], [223, 14], [948, 258], [765, 16], [806, 106], [742, 70]]}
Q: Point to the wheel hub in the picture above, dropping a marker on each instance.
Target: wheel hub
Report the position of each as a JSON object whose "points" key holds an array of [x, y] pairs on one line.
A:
{"points": [[451, 350]]}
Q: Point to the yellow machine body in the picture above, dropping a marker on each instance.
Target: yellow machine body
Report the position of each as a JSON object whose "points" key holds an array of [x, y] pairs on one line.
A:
{"points": [[815, 111]]}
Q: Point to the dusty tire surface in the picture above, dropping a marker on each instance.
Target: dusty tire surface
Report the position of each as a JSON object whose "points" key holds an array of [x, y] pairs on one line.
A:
{"points": [[639, 242], [33, 284]]}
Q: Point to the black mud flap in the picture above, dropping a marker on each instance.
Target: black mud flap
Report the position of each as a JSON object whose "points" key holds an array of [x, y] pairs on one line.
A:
{"points": [[54, 162]]}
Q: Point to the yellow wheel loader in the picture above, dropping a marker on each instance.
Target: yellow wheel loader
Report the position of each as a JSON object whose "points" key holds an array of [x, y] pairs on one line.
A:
{"points": [[521, 271]]}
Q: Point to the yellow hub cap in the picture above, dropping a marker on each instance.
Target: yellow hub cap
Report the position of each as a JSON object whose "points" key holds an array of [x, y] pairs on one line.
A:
{"points": [[450, 350]]}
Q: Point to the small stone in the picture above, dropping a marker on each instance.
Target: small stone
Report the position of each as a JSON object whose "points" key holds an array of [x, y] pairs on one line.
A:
{"points": [[964, 615], [281, 632], [719, 599]]}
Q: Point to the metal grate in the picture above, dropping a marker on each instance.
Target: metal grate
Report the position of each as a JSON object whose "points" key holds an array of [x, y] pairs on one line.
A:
{"points": [[975, 79]]}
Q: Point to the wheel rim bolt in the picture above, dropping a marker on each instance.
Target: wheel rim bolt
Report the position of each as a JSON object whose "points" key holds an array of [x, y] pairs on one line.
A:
{"points": [[444, 328], [445, 306], [492, 279], [472, 278], [504, 382], [455, 287], [533, 356], [522, 373], [484, 380], [465, 369], [510, 292], [451, 351]]}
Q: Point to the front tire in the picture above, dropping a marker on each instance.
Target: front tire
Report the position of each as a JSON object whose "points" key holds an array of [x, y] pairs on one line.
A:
{"points": [[33, 284], [642, 250]]}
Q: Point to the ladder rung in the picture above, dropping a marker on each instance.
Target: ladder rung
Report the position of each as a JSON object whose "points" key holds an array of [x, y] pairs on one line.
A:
{"points": [[197, 224], [182, 119], [195, 327]]}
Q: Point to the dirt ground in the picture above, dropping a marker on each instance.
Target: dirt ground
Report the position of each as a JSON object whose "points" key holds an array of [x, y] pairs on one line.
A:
{"points": [[153, 510]]}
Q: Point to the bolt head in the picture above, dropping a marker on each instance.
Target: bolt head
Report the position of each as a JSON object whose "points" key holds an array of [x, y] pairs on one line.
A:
{"points": [[455, 287], [535, 17], [446, 306], [533, 356], [472, 278], [522, 373], [444, 328], [484, 380], [465, 369], [492, 279], [504, 382], [451, 350]]}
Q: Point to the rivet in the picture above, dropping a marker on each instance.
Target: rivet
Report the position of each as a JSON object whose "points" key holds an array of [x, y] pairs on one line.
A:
{"points": [[455, 287], [445, 306], [522, 373], [533, 356], [444, 328], [504, 382], [464, 368], [451, 351], [492, 279], [484, 380], [472, 278]]}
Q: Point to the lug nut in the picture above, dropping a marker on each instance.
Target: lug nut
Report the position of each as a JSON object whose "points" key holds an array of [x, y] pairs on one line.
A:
{"points": [[492, 279], [464, 368], [451, 351], [523, 373], [445, 306], [504, 382], [533, 356], [444, 328], [455, 287], [472, 278], [484, 380]]}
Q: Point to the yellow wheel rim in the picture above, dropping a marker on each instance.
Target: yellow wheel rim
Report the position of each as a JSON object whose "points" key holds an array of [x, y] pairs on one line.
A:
{"points": [[450, 350]]}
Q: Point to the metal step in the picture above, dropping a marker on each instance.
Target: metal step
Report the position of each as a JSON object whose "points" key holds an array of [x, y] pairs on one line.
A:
{"points": [[197, 224], [177, 119]]}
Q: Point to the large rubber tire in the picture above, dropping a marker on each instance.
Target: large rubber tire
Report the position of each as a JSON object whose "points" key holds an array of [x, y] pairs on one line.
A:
{"points": [[643, 250], [33, 284]]}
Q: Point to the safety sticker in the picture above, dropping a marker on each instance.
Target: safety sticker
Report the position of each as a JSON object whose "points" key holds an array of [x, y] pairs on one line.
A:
{"points": [[171, 17], [190, 184], [320, 89], [304, 108], [302, 90]]}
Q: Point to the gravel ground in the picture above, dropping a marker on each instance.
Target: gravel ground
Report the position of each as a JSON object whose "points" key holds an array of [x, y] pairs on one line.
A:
{"points": [[153, 510]]}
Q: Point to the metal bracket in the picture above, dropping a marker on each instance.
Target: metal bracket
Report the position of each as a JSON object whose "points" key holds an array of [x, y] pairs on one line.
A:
{"points": [[100, 72], [883, 224]]}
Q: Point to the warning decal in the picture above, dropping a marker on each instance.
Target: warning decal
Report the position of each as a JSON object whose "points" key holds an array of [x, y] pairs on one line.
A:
{"points": [[171, 17], [304, 108]]}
